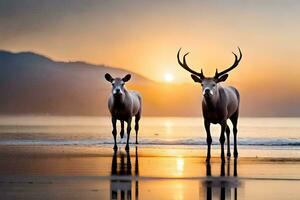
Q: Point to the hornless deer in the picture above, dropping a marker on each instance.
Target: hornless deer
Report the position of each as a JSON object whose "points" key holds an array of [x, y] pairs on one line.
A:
{"points": [[123, 105], [219, 103]]}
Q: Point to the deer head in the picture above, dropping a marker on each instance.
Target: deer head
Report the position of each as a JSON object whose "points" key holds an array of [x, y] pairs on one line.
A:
{"points": [[209, 84], [117, 84]]}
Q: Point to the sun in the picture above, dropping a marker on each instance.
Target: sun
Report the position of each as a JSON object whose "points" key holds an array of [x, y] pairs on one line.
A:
{"points": [[169, 77]]}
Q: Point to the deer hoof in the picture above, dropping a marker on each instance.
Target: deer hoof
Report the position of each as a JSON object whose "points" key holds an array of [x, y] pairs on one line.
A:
{"points": [[207, 159], [115, 148], [223, 158], [228, 154], [235, 154]]}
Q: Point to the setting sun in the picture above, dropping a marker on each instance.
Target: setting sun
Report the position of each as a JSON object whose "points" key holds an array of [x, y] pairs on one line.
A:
{"points": [[169, 77]]}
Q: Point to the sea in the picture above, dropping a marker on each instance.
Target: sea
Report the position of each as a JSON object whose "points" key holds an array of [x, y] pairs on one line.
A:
{"points": [[278, 133]]}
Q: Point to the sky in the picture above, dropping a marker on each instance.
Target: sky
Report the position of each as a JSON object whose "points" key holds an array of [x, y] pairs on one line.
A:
{"points": [[144, 36]]}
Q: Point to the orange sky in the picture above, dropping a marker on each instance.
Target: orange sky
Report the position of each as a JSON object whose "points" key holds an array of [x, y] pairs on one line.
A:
{"points": [[144, 36]]}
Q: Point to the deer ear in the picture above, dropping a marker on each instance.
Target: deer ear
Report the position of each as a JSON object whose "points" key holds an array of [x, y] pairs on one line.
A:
{"points": [[223, 78], [196, 78], [126, 78], [108, 77]]}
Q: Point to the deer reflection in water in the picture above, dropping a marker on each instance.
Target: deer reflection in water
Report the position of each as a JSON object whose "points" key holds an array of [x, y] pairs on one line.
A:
{"points": [[123, 177], [224, 184]]}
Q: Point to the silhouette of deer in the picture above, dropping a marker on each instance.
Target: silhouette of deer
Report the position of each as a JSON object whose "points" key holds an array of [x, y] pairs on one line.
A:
{"points": [[219, 103], [123, 105]]}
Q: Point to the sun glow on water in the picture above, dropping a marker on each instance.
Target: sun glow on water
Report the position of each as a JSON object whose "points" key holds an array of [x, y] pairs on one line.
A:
{"points": [[179, 166]]}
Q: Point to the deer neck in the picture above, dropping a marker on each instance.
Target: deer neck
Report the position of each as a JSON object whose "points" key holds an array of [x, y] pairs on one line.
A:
{"points": [[211, 102], [119, 101]]}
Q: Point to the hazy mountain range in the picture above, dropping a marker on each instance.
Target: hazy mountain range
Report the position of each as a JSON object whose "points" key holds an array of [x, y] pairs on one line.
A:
{"points": [[35, 84]]}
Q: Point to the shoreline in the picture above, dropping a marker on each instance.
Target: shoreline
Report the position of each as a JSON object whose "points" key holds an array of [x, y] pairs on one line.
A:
{"points": [[79, 172], [258, 152]]}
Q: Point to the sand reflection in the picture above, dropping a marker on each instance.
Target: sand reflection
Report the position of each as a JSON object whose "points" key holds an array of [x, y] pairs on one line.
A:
{"points": [[225, 186], [122, 185], [125, 183]]}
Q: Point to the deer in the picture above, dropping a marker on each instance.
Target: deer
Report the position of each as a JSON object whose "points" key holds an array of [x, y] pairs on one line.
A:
{"points": [[219, 103], [123, 106]]}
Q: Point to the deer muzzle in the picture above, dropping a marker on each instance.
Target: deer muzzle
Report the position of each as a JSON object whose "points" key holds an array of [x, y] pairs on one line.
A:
{"points": [[207, 92], [117, 91]]}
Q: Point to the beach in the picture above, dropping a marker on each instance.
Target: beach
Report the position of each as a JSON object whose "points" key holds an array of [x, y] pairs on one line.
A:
{"points": [[56, 172], [72, 158], [149, 100]]}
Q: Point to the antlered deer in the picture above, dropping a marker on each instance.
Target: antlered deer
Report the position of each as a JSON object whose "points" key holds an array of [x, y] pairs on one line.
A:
{"points": [[219, 103], [123, 105]]}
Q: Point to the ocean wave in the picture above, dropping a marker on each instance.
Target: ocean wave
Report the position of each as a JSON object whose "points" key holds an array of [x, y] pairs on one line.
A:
{"points": [[150, 141]]}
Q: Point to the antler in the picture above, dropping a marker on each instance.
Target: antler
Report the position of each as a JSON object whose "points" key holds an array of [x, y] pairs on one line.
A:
{"points": [[235, 64], [186, 67]]}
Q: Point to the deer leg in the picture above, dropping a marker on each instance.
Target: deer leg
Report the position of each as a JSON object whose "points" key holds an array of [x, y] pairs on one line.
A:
{"points": [[122, 129], [208, 139], [234, 120], [114, 132], [235, 151], [222, 139], [136, 127], [228, 141], [128, 133]]}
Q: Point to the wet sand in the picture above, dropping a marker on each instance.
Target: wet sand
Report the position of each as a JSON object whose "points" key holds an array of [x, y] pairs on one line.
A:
{"points": [[171, 172]]}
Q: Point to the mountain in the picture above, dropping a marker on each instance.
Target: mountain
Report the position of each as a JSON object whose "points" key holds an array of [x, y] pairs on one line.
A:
{"points": [[35, 84]]}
